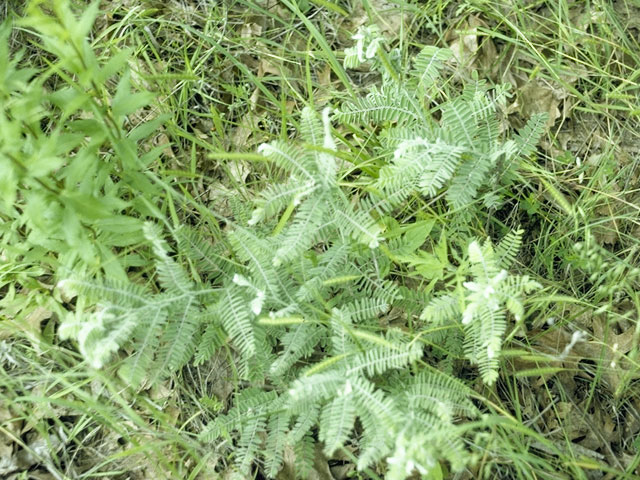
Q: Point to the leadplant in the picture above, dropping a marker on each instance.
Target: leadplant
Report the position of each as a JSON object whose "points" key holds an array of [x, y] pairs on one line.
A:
{"points": [[481, 305], [302, 291], [462, 150]]}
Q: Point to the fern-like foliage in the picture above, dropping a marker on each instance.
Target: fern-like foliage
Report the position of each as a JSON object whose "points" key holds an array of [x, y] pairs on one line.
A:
{"points": [[461, 151], [387, 104], [207, 259], [427, 66], [162, 329], [481, 305], [302, 289]]}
